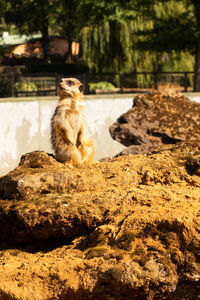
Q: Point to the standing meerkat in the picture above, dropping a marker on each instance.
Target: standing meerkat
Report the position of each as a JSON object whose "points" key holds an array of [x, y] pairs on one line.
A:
{"points": [[69, 134]]}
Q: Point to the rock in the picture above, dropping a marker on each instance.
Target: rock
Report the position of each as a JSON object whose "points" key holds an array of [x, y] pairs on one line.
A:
{"points": [[127, 228], [43, 175], [156, 119]]}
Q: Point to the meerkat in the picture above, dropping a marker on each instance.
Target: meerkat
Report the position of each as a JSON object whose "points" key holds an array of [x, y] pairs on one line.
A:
{"points": [[69, 133]]}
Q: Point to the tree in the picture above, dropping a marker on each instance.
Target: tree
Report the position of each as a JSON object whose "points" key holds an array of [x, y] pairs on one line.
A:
{"points": [[177, 31], [196, 4], [105, 34], [120, 36], [31, 16], [3, 7], [66, 22]]}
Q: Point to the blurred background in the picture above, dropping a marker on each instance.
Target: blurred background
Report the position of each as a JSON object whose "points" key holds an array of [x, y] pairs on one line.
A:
{"points": [[116, 48], [112, 46]]}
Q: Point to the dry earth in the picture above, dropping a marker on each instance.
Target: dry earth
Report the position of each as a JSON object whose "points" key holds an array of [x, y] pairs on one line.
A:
{"points": [[127, 229]]}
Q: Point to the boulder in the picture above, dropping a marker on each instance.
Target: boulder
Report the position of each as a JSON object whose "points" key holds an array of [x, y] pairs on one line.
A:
{"points": [[157, 119], [127, 228]]}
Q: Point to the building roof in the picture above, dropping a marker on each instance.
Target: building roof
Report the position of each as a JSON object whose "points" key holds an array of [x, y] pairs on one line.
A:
{"points": [[14, 39]]}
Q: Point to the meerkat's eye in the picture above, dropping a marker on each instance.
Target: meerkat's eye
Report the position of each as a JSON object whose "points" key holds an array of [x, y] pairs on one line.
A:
{"points": [[70, 82], [81, 88]]}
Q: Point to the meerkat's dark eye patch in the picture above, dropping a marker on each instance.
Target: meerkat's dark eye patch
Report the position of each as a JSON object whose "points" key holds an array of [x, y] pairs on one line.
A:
{"points": [[81, 88], [70, 82]]}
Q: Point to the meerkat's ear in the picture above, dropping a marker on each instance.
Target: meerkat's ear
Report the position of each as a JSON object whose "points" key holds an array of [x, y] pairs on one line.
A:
{"points": [[81, 88]]}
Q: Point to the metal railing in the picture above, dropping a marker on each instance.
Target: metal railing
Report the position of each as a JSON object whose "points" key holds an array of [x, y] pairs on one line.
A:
{"points": [[13, 85]]}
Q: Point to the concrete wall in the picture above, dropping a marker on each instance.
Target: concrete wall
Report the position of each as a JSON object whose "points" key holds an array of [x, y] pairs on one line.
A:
{"points": [[25, 125]]}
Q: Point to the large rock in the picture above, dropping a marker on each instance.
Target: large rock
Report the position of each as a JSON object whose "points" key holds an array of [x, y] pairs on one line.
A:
{"points": [[123, 229], [156, 119]]}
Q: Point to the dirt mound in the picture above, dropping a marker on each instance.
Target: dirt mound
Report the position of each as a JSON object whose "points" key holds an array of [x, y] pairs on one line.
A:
{"points": [[123, 229], [156, 119]]}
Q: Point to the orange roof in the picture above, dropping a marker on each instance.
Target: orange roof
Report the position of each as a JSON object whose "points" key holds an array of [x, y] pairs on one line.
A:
{"points": [[58, 46]]}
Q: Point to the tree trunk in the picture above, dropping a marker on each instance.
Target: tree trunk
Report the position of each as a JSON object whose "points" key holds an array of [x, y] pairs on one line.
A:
{"points": [[196, 4], [45, 43], [69, 53], [70, 11]]}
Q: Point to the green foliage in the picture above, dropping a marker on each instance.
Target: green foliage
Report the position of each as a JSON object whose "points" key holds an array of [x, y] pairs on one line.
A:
{"points": [[172, 28], [144, 80], [101, 85], [115, 35], [25, 86], [3, 7], [161, 32], [105, 34], [31, 16], [137, 35]]}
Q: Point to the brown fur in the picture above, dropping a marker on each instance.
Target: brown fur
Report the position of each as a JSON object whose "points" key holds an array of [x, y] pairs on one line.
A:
{"points": [[69, 136]]}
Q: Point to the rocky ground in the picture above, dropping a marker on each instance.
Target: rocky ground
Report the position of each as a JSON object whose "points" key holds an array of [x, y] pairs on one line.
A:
{"points": [[156, 119], [128, 228]]}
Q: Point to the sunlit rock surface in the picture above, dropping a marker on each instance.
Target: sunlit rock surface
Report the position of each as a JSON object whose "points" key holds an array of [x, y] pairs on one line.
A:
{"points": [[123, 229]]}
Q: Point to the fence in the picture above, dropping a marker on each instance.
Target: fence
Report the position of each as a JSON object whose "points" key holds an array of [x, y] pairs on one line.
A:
{"points": [[46, 84]]}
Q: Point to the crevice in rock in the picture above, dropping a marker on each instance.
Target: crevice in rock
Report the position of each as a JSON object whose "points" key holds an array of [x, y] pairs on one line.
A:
{"points": [[166, 139], [47, 245], [122, 120], [37, 246]]}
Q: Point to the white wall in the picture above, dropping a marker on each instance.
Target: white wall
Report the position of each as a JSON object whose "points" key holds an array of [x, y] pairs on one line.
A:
{"points": [[25, 125], [193, 96]]}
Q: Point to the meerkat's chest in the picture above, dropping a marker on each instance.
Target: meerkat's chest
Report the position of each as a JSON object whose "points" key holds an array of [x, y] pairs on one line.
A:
{"points": [[75, 119]]}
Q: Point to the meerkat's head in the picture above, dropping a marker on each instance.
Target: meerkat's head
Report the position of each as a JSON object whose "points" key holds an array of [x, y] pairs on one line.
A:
{"points": [[70, 87]]}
